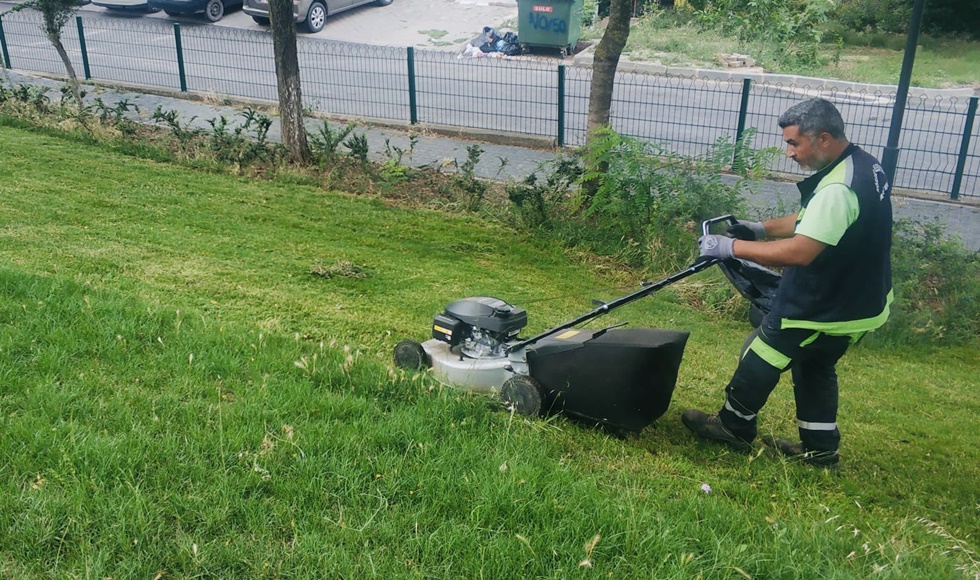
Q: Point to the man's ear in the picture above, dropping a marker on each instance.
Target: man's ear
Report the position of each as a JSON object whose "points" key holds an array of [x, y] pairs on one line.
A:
{"points": [[823, 140]]}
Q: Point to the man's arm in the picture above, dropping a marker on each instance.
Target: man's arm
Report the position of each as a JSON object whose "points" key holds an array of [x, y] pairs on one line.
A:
{"points": [[782, 227], [798, 250]]}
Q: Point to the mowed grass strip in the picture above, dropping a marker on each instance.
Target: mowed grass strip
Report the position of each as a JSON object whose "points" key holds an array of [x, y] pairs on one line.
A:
{"points": [[179, 396]]}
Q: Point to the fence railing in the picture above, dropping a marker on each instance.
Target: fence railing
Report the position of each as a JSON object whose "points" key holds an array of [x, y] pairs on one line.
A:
{"points": [[940, 145]]}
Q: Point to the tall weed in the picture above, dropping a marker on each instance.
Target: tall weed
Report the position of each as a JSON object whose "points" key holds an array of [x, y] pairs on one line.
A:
{"points": [[535, 202], [326, 142], [472, 188]]}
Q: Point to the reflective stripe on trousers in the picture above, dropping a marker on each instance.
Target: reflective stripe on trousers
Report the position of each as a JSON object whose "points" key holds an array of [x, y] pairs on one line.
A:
{"points": [[812, 357]]}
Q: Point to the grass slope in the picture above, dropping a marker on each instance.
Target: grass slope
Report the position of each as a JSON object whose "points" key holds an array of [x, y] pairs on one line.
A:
{"points": [[179, 396]]}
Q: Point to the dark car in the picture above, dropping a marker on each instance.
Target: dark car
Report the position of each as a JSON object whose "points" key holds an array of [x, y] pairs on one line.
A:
{"points": [[213, 10], [312, 14]]}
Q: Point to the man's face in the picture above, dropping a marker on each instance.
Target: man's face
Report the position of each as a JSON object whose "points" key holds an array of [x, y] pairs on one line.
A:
{"points": [[809, 153]]}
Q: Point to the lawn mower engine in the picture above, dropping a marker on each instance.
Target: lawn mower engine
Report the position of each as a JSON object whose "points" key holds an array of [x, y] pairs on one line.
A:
{"points": [[480, 326], [469, 345]]}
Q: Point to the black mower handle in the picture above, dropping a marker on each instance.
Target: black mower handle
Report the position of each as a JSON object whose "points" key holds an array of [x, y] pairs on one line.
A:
{"points": [[706, 224], [645, 290], [705, 230]]}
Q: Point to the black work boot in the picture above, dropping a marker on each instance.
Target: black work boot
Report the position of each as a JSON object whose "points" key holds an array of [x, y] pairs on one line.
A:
{"points": [[710, 427], [796, 451]]}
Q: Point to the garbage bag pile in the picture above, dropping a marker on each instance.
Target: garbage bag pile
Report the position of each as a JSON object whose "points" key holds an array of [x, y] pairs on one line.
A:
{"points": [[492, 44]]}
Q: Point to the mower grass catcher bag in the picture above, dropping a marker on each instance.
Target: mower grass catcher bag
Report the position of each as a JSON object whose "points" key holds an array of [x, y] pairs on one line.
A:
{"points": [[622, 377]]}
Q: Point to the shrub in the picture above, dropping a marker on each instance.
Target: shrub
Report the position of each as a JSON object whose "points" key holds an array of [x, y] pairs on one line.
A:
{"points": [[791, 28], [890, 16], [952, 17], [937, 287], [941, 17], [647, 204], [652, 200]]}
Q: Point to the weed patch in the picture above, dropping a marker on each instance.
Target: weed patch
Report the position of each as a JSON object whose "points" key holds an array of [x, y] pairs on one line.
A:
{"points": [[341, 269]]}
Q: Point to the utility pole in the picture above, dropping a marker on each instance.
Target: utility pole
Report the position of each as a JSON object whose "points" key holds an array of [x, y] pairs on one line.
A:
{"points": [[889, 160]]}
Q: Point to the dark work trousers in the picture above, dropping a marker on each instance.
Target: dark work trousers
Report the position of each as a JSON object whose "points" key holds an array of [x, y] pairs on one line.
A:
{"points": [[767, 353]]}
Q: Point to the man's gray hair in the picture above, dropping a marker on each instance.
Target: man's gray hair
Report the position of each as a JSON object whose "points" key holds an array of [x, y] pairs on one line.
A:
{"points": [[813, 117]]}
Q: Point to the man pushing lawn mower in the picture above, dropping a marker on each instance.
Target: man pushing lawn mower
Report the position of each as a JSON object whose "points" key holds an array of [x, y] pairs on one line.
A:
{"points": [[835, 286]]}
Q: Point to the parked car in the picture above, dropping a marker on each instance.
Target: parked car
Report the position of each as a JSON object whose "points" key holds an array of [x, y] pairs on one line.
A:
{"points": [[125, 5], [312, 14], [213, 9]]}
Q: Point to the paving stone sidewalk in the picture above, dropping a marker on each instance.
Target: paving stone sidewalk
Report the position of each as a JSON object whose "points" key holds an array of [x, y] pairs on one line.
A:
{"points": [[961, 219]]}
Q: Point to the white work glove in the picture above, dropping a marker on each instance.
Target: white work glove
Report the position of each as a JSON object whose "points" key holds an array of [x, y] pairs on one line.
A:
{"points": [[745, 230], [716, 247]]}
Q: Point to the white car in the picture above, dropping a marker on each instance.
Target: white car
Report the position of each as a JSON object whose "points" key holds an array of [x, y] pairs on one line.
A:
{"points": [[125, 5], [312, 14]]}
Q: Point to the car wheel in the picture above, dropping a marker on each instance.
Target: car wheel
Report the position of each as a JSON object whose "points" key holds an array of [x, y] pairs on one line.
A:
{"points": [[316, 17], [261, 20], [382, 2], [214, 10]]}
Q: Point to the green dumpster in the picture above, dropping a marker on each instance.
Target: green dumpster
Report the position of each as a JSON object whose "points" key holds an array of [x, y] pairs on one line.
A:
{"points": [[549, 24]]}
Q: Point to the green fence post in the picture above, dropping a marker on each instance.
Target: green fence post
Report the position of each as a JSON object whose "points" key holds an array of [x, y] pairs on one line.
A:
{"points": [[180, 58], [561, 105], [81, 44], [3, 46], [413, 109], [743, 111], [971, 113]]}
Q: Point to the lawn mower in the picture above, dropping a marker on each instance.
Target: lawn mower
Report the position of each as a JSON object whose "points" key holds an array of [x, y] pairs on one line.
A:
{"points": [[617, 377]]}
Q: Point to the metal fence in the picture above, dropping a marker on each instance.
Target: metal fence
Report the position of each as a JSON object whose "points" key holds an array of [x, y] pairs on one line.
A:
{"points": [[940, 145]]}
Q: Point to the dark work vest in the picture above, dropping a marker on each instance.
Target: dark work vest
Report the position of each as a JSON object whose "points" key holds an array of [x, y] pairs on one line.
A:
{"points": [[852, 280]]}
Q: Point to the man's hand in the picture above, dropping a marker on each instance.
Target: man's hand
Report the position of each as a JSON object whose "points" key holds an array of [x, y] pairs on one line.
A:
{"points": [[717, 247], [744, 230]]}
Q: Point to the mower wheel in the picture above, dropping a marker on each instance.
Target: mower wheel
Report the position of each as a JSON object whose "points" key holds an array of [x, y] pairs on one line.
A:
{"points": [[410, 355], [522, 393]]}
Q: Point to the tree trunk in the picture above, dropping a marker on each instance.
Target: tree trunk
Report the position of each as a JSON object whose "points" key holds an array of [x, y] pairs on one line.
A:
{"points": [[76, 91], [606, 60], [603, 75], [287, 77]]}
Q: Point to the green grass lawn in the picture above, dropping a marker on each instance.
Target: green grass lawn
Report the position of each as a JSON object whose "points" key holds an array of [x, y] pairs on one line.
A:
{"points": [[180, 397]]}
